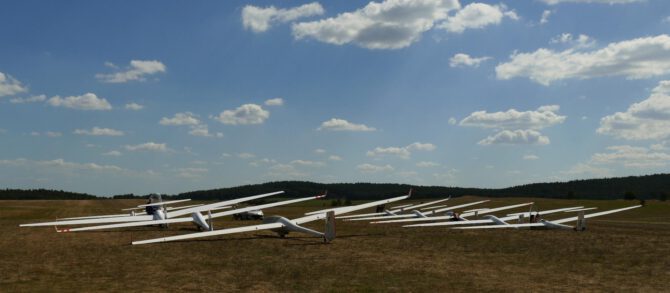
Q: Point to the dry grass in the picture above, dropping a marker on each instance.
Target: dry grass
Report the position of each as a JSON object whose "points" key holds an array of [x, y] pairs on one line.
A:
{"points": [[625, 251]]}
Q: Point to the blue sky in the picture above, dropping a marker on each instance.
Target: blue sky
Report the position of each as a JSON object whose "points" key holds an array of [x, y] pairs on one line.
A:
{"points": [[171, 96]]}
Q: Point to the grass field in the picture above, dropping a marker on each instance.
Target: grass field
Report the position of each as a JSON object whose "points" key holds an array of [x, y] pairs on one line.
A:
{"points": [[628, 251]]}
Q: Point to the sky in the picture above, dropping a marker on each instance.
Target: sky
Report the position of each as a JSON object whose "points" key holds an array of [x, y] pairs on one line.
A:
{"points": [[115, 97]]}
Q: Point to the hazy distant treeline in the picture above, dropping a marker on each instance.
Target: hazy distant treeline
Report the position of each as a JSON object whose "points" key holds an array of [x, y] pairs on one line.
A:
{"points": [[641, 187]]}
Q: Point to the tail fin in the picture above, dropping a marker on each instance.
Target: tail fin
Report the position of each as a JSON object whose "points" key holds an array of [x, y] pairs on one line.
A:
{"points": [[410, 193], [581, 222], [329, 234]]}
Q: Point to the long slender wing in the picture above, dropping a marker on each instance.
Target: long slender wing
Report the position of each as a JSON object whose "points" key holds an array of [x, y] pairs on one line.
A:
{"points": [[501, 226], [208, 207], [438, 218], [397, 209], [162, 203], [91, 221], [344, 210], [414, 207], [212, 233], [595, 214], [487, 221], [98, 217], [189, 219]]}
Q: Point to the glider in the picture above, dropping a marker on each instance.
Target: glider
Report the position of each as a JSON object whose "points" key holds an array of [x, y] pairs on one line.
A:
{"points": [[489, 220], [418, 214], [454, 216], [283, 226], [396, 211]]}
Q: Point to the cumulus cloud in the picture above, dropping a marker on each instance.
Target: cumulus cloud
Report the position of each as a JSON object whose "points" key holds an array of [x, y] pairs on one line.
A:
{"points": [[243, 115], [179, 119], [425, 164], [336, 124], [274, 102], [191, 173], [260, 19], [138, 70], [203, 130], [476, 16], [98, 131], [401, 152], [149, 146], [112, 154], [307, 163], [369, 168], [452, 121], [47, 133], [632, 156], [285, 171], [391, 24], [10, 85], [634, 59], [554, 2], [648, 119], [464, 60], [543, 117], [334, 158], [531, 157], [519, 136], [134, 106], [580, 42], [545, 16], [33, 99], [62, 164], [87, 101]]}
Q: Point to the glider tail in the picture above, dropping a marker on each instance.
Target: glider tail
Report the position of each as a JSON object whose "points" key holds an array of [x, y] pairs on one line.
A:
{"points": [[329, 234], [581, 222]]}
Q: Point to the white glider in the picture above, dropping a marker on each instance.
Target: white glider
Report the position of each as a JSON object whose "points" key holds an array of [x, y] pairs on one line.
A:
{"points": [[450, 217], [418, 214], [196, 217], [490, 220], [554, 224], [157, 215], [283, 226], [396, 211]]}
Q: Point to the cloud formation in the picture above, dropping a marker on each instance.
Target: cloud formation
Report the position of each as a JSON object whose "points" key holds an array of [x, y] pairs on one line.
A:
{"points": [[180, 119], [134, 106], [336, 124], [10, 85], [97, 131], [401, 152], [391, 24], [477, 16], [33, 99], [648, 119], [369, 168], [138, 70], [148, 146], [87, 101], [519, 136], [260, 19], [464, 60], [244, 115], [554, 2], [274, 102], [634, 59]]}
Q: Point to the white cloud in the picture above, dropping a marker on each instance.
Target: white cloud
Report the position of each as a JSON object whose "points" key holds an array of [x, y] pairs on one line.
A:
{"points": [[531, 157], [336, 124], [518, 136], [581, 42], [62, 165], [587, 170], [307, 163], [10, 86], [243, 115], [185, 118], [335, 158], [425, 164], [285, 171], [543, 117], [632, 157], [545, 16], [88, 101], [401, 152], [274, 102], [452, 121], [112, 153], [369, 168], [138, 70], [320, 151], [246, 155], [634, 59], [648, 119], [476, 16], [53, 134], [191, 173], [149, 146], [33, 99], [203, 130], [464, 60], [97, 131], [449, 175], [134, 106], [259, 19], [554, 2], [391, 24]]}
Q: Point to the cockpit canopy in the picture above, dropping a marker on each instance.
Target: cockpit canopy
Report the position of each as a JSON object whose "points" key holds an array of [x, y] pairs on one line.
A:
{"points": [[155, 198]]}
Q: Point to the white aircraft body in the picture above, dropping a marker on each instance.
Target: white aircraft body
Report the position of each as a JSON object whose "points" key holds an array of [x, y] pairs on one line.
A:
{"points": [[157, 214], [489, 220], [452, 216], [283, 226], [554, 224], [418, 214], [196, 217], [396, 211]]}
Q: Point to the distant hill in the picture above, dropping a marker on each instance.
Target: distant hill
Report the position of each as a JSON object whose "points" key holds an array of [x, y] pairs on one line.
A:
{"points": [[42, 194], [643, 187], [655, 186]]}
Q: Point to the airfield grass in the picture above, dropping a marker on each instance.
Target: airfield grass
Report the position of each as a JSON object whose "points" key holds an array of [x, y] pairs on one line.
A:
{"points": [[628, 251]]}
